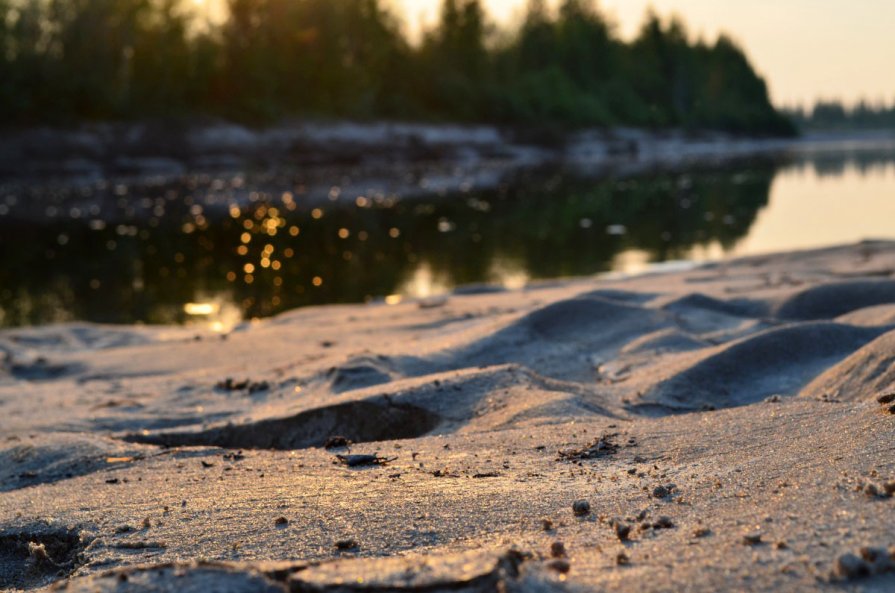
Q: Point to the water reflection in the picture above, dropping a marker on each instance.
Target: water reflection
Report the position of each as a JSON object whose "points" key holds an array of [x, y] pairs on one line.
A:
{"points": [[218, 250]]}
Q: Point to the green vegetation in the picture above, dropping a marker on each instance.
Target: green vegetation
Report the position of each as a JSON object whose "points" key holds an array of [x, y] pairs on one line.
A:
{"points": [[833, 115], [70, 60]]}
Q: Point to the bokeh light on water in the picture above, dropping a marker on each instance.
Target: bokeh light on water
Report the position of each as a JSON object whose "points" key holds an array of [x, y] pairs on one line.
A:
{"points": [[215, 250]]}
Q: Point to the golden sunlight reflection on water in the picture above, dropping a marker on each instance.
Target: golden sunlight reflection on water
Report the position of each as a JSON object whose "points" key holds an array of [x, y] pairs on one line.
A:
{"points": [[219, 314], [258, 253], [807, 208], [632, 261], [423, 283], [509, 274]]}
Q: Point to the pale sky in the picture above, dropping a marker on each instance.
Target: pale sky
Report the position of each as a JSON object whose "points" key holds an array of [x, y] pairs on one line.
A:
{"points": [[805, 49]]}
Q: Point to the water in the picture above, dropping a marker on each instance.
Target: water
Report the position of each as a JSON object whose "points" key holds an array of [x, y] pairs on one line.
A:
{"points": [[217, 250]]}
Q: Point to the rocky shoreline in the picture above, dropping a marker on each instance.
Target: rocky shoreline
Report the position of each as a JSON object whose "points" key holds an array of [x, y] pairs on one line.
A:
{"points": [[97, 151]]}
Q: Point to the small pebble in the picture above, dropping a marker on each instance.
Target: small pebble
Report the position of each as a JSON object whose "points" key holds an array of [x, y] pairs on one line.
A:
{"points": [[663, 523], [886, 398], [660, 492], [581, 508], [560, 565], [281, 521], [849, 566], [751, 539], [547, 524], [346, 544], [871, 490], [336, 441], [878, 558], [558, 550], [702, 532], [622, 531], [622, 559]]}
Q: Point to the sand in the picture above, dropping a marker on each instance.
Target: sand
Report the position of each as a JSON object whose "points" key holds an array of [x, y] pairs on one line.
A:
{"points": [[721, 424]]}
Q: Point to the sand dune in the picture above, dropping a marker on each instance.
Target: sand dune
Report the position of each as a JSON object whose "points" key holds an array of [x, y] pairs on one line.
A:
{"points": [[775, 361], [830, 300], [862, 376]]}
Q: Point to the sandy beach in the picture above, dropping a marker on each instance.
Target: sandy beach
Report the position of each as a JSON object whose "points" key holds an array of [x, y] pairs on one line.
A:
{"points": [[446, 296], [728, 427]]}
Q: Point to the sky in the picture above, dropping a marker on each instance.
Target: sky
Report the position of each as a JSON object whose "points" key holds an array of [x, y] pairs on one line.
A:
{"points": [[805, 49]]}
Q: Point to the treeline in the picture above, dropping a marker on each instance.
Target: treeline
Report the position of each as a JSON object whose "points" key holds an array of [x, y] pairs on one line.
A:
{"points": [[70, 60], [833, 115]]}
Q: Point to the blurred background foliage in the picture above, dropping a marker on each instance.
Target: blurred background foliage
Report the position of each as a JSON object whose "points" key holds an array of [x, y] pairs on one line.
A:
{"points": [[833, 115], [67, 61]]}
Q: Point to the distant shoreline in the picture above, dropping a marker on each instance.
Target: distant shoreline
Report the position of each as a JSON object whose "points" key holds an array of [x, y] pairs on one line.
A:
{"points": [[167, 149]]}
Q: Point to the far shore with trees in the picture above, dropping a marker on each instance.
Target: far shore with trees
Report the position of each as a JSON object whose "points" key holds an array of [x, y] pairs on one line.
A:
{"points": [[837, 117], [71, 61]]}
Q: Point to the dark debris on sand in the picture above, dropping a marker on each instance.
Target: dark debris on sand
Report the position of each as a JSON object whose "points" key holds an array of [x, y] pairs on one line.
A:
{"points": [[600, 447], [665, 492], [230, 384], [869, 561], [364, 460], [38, 555], [581, 508], [346, 545], [337, 442], [560, 565], [622, 531], [886, 397]]}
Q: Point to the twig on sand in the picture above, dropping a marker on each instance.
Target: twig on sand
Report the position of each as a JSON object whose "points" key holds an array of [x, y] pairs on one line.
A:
{"points": [[601, 447], [364, 460]]}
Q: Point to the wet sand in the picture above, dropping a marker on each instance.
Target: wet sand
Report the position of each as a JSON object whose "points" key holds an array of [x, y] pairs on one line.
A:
{"points": [[726, 427]]}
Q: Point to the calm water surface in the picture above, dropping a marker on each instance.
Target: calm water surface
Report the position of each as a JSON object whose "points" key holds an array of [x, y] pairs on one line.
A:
{"points": [[216, 250]]}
